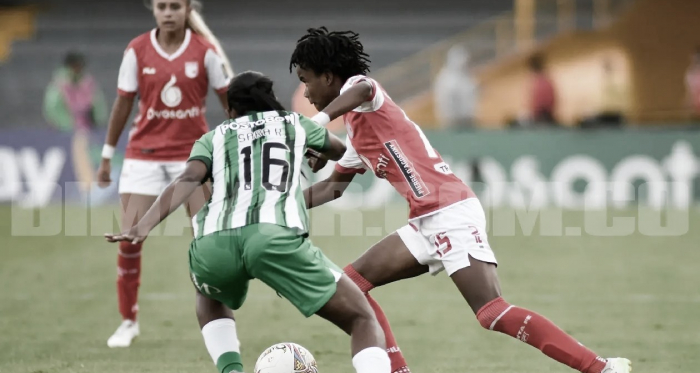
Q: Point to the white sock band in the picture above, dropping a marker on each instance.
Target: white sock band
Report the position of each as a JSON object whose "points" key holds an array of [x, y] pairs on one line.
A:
{"points": [[220, 337], [372, 360]]}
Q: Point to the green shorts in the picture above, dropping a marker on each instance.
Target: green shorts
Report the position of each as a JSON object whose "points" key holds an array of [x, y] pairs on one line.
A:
{"points": [[223, 263]]}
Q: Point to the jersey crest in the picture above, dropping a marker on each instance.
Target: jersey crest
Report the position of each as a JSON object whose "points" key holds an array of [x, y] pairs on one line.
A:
{"points": [[191, 69]]}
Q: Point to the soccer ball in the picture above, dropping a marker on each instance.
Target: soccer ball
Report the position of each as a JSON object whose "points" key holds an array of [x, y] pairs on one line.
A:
{"points": [[286, 358]]}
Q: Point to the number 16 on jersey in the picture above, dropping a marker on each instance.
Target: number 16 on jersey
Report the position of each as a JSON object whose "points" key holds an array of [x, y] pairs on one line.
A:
{"points": [[266, 163]]}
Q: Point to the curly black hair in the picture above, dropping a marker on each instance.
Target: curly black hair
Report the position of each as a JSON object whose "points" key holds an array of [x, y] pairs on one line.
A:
{"points": [[338, 52]]}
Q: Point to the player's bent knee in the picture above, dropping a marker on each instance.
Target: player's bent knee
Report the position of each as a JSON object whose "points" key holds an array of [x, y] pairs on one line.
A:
{"points": [[359, 280], [363, 317], [491, 312], [347, 306], [364, 310], [355, 303], [208, 310]]}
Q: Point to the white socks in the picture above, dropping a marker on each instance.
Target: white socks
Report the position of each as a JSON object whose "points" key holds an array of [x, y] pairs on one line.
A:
{"points": [[372, 360], [222, 343]]}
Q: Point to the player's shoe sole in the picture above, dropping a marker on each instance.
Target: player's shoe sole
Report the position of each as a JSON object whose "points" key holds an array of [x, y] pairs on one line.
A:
{"points": [[122, 345]]}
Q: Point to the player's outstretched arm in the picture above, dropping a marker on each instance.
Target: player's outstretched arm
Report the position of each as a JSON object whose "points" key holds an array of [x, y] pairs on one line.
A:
{"points": [[327, 190], [322, 145], [336, 148], [349, 100], [172, 197]]}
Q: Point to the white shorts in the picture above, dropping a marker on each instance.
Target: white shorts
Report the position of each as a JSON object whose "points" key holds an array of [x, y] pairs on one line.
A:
{"points": [[148, 177], [446, 239]]}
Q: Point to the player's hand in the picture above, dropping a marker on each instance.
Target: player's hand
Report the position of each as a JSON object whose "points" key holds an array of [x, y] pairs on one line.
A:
{"points": [[134, 235], [316, 160], [103, 173]]}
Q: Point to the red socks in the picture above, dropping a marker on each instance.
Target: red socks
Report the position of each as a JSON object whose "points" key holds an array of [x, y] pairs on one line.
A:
{"points": [[398, 362], [540, 333], [500, 316], [128, 279]]}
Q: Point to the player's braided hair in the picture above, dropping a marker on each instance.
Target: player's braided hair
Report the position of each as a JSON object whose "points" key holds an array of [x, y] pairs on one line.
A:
{"points": [[338, 52], [252, 91]]}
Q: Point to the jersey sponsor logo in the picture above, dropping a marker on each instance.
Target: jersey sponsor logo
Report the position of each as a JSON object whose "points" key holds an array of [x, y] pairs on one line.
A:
{"points": [[191, 69], [235, 126], [149, 71], [414, 180], [380, 168], [190, 113], [171, 95]]}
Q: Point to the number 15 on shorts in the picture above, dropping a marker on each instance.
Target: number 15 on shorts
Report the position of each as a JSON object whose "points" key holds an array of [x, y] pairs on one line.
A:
{"points": [[443, 244]]}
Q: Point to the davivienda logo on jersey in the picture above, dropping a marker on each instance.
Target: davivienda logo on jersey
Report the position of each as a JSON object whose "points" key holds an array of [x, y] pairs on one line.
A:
{"points": [[171, 96]]}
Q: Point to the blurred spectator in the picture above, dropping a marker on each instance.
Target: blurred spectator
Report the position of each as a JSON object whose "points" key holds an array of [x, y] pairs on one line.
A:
{"points": [[614, 100], [456, 91], [74, 102], [692, 83], [542, 93]]}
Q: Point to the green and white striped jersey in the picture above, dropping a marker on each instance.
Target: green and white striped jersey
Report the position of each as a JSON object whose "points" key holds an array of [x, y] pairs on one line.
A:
{"points": [[255, 163]]}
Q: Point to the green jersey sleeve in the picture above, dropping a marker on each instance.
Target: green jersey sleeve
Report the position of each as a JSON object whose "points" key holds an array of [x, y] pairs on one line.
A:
{"points": [[203, 151], [317, 137]]}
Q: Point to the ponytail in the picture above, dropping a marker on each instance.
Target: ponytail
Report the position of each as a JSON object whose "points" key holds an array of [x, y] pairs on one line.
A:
{"points": [[197, 24]]}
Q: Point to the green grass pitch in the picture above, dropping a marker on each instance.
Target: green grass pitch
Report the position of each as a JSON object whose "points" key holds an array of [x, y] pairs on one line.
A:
{"points": [[634, 296]]}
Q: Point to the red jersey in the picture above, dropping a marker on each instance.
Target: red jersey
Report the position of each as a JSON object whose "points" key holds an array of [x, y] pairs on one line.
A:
{"points": [[383, 139], [172, 91]]}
